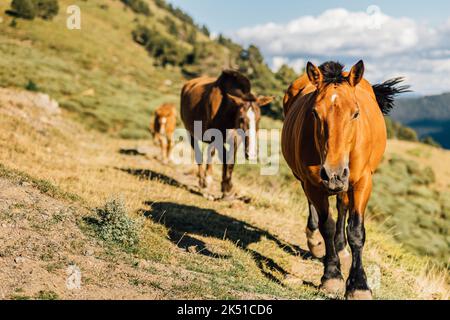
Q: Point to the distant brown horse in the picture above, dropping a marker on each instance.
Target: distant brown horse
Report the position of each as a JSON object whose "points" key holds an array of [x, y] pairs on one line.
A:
{"points": [[333, 139], [224, 104], [163, 128]]}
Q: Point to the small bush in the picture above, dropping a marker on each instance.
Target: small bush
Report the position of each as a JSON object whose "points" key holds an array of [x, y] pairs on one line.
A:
{"points": [[29, 9], [430, 141], [116, 226], [138, 6], [31, 86], [46, 9], [163, 49], [24, 9]]}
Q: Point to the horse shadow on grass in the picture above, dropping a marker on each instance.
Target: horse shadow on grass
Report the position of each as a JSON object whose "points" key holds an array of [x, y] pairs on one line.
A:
{"points": [[182, 220], [147, 174]]}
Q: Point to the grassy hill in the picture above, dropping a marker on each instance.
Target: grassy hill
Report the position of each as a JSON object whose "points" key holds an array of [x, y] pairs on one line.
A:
{"points": [[429, 116], [102, 75], [188, 246]]}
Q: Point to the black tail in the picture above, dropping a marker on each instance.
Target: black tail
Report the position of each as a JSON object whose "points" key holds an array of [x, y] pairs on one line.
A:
{"points": [[386, 92]]}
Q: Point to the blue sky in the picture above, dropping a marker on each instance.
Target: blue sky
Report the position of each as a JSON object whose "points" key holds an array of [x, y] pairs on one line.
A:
{"points": [[394, 38], [226, 16]]}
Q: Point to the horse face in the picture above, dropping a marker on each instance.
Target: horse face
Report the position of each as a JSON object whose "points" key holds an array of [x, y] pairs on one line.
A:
{"points": [[247, 119], [336, 115]]}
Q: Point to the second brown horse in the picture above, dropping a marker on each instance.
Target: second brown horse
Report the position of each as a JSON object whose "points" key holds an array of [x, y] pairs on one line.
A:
{"points": [[333, 139], [225, 104]]}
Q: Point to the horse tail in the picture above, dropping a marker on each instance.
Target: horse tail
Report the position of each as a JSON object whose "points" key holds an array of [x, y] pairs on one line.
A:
{"points": [[387, 91]]}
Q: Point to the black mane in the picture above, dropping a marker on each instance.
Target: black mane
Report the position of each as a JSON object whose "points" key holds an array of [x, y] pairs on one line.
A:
{"points": [[332, 72]]}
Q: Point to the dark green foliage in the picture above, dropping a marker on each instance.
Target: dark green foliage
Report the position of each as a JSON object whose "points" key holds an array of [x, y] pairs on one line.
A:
{"points": [[165, 50], [395, 130], [205, 31], [24, 9], [46, 9], [138, 6], [29, 9], [430, 141], [191, 36], [286, 75], [177, 12], [172, 27], [31, 86]]}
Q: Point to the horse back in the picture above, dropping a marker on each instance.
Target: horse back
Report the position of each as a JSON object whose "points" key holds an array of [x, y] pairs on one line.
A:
{"points": [[200, 100]]}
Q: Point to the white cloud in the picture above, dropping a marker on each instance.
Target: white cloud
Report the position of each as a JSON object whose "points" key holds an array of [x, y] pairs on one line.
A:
{"points": [[390, 46]]}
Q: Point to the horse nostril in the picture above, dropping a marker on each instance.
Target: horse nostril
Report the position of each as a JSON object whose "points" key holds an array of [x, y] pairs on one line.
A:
{"points": [[323, 174], [346, 172]]}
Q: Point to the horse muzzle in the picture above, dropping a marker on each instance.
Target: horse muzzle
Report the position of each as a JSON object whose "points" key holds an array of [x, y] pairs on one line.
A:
{"points": [[335, 180]]}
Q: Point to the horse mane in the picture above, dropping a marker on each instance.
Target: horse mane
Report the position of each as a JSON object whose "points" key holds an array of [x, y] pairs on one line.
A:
{"points": [[387, 91], [234, 82], [332, 72]]}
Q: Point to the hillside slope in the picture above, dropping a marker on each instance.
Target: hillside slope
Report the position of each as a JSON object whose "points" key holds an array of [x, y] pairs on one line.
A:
{"points": [[102, 75], [429, 116], [189, 247]]}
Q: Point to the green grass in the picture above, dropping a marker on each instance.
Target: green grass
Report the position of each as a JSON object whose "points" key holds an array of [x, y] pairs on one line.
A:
{"points": [[98, 73], [42, 185], [408, 205]]}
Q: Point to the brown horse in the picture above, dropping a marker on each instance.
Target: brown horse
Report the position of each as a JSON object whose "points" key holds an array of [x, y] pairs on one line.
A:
{"points": [[164, 125], [333, 139], [222, 105]]}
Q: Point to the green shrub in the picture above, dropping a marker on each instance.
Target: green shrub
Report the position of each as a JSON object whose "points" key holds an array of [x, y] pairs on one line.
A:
{"points": [[31, 86], [24, 9], [430, 141], [163, 49], [138, 6], [46, 9], [29, 9], [116, 226]]}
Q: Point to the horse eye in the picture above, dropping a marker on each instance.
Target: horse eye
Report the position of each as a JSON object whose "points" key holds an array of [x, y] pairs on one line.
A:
{"points": [[356, 115]]}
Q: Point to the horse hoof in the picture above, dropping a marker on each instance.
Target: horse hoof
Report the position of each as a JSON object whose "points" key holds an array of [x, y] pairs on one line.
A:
{"points": [[228, 196], [359, 295], [333, 286], [208, 181], [315, 243], [345, 259]]}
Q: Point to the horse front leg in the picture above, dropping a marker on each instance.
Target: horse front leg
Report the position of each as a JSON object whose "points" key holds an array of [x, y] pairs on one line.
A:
{"points": [[198, 154], [315, 241], [357, 287], [209, 165], [229, 159], [332, 281], [340, 240]]}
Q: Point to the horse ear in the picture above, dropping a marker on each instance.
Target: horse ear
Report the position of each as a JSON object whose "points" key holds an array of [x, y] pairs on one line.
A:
{"points": [[356, 74], [239, 102], [263, 100], [314, 74]]}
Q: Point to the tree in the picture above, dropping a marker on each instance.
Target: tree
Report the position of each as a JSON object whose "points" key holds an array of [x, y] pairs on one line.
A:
{"points": [[286, 75]]}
